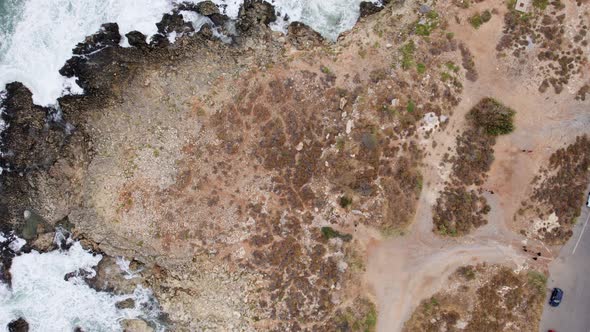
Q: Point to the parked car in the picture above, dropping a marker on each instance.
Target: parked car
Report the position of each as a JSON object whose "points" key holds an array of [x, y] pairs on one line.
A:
{"points": [[588, 200], [556, 297]]}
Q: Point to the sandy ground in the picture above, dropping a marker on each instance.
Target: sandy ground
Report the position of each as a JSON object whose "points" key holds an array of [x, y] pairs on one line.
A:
{"points": [[404, 270]]}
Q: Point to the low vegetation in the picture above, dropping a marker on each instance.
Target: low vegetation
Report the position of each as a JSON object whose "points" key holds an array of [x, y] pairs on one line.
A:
{"points": [[561, 189], [491, 298], [458, 210], [478, 19]]}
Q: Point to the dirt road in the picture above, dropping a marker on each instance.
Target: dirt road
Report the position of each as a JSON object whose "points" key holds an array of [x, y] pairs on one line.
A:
{"points": [[404, 270]]}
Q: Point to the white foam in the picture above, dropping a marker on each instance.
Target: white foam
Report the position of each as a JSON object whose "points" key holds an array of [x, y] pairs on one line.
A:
{"points": [[34, 48], [49, 303], [47, 30]]}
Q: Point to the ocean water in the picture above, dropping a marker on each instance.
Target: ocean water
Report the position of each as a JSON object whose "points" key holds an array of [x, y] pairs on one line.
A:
{"points": [[41, 296], [37, 36]]}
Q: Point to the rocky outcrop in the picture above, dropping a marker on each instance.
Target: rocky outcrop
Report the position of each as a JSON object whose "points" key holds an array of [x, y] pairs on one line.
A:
{"points": [[369, 8], [136, 39], [174, 22], [254, 12], [303, 37], [19, 325], [108, 35]]}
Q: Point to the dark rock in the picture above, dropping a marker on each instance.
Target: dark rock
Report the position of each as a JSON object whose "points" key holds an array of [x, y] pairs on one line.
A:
{"points": [[110, 278], [207, 8], [137, 39], [34, 225], [80, 273], [369, 8], [125, 304], [108, 35], [73, 66], [174, 22], [254, 12], [159, 41], [19, 325], [303, 37], [425, 9], [219, 19], [31, 141], [206, 31]]}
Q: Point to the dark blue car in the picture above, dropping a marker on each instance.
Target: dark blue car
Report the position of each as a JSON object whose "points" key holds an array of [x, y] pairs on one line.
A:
{"points": [[556, 297]]}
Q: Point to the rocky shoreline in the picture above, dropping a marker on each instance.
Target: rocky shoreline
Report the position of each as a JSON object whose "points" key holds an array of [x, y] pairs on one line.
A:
{"points": [[47, 151]]}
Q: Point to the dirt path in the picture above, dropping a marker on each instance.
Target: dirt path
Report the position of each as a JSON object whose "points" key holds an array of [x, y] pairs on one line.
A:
{"points": [[402, 271]]}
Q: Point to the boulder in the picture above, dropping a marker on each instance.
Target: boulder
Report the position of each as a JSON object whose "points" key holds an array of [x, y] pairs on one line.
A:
{"points": [[136, 39], [174, 22], [110, 278], [44, 242], [19, 325], [108, 35], [125, 304], [207, 8], [254, 12]]}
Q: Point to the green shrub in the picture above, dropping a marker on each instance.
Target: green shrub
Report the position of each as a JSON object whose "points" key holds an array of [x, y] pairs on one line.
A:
{"points": [[331, 233], [408, 54], [411, 106], [478, 19], [421, 68], [541, 4], [495, 118], [345, 201]]}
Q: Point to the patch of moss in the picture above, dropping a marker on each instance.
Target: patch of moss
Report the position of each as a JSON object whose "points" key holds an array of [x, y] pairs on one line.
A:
{"points": [[345, 201], [421, 68], [407, 52]]}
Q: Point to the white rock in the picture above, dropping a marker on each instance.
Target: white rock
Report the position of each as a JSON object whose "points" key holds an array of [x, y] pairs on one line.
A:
{"points": [[299, 146], [349, 125]]}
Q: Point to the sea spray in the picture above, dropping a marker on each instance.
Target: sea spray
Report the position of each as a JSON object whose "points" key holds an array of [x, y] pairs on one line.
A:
{"points": [[37, 36], [40, 293]]}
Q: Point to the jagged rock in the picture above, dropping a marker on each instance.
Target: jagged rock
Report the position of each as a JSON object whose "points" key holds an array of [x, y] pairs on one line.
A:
{"points": [[109, 277], [159, 41], [30, 142], [108, 35], [136, 325], [80, 273], [44, 242], [207, 8], [369, 8], [136, 39], [34, 225], [303, 37], [125, 304], [19, 325], [174, 23], [253, 12]]}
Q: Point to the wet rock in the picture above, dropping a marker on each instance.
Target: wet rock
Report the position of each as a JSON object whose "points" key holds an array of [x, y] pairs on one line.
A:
{"points": [[159, 41], [34, 224], [174, 22], [207, 8], [136, 325], [81, 273], [108, 35], [255, 12], [72, 66], [368, 8], [125, 304], [219, 19], [44, 242], [136, 39], [303, 37], [110, 278], [206, 31], [19, 325]]}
